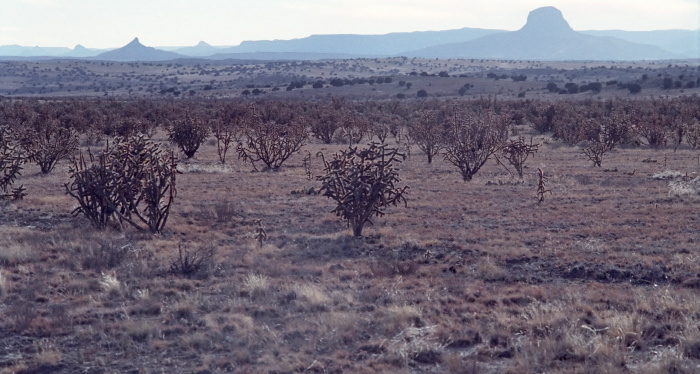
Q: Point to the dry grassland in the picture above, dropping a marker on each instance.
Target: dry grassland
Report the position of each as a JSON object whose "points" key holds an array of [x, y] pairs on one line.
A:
{"points": [[207, 79], [473, 277]]}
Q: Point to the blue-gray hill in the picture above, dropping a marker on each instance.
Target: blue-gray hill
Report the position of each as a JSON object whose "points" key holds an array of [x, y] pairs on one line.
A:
{"points": [[135, 51], [365, 45], [546, 36]]}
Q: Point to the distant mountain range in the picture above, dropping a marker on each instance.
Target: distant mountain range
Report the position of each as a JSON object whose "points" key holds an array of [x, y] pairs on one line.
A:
{"points": [[28, 52], [378, 45], [685, 43], [545, 36]]}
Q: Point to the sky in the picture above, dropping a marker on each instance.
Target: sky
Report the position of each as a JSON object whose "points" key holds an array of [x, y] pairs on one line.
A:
{"points": [[114, 23]]}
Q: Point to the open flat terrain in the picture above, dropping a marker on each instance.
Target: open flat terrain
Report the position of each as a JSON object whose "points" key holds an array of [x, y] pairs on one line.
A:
{"points": [[361, 78], [469, 277], [472, 277]]}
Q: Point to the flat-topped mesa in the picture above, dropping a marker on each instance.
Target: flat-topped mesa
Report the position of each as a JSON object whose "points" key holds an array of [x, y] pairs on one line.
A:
{"points": [[547, 20]]}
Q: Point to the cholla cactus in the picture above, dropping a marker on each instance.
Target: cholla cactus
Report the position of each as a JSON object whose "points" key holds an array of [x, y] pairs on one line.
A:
{"points": [[473, 139], [260, 234], [541, 186], [189, 133], [132, 181], [46, 142], [271, 137], [362, 182], [428, 131], [517, 152], [11, 159]]}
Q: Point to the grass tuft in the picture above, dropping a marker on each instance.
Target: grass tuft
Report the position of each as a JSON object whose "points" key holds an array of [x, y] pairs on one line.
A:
{"points": [[111, 285], [685, 189]]}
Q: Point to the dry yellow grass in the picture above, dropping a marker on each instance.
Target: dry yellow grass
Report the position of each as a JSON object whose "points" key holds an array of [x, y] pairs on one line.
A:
{"points": [[472, 277]]}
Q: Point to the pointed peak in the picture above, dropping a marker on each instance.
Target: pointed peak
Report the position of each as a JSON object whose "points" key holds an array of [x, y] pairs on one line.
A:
{"points": [[547, 19], [79, 47], [203, 44], [135, 42]]}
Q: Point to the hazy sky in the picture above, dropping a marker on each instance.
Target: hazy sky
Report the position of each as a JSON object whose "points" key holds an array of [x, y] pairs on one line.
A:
{"points": [[113, 23]]}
